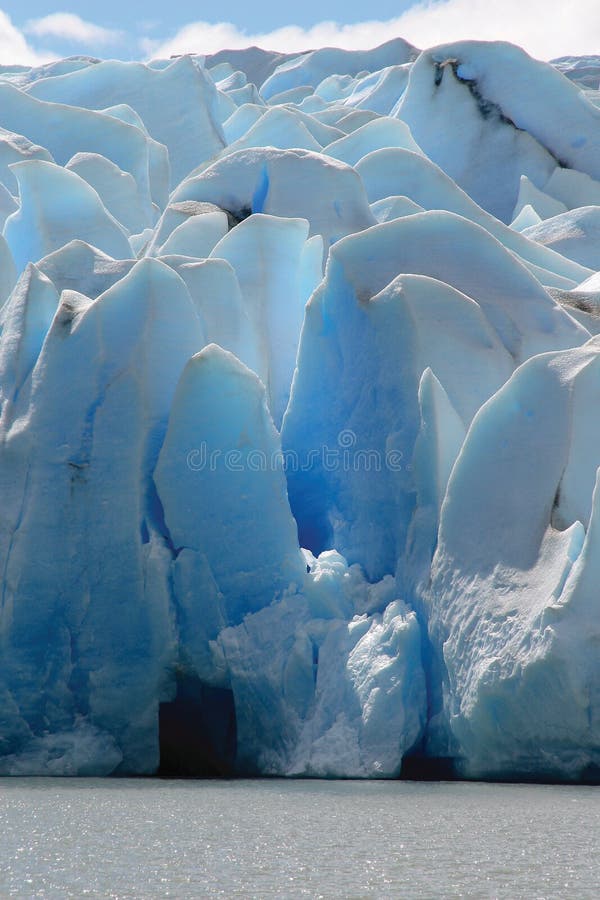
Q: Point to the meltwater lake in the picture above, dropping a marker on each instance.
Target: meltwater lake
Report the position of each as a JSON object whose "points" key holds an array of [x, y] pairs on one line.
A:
{"points": [[143, 838]]}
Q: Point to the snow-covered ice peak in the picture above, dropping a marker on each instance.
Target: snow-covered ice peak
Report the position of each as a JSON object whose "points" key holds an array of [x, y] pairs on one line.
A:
{"points": [[476, 106]]}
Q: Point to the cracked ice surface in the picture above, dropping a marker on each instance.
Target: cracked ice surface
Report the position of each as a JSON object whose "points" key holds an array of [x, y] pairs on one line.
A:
{"points": [[298, 432]]}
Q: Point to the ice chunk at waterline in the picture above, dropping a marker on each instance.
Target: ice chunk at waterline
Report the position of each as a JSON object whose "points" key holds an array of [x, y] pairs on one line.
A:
{"points": [[83, 637], [328, 681], [304, 678], [514, 618]]}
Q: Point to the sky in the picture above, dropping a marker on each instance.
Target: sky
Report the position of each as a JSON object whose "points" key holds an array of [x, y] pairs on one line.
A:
{"points": [[40, 30]]}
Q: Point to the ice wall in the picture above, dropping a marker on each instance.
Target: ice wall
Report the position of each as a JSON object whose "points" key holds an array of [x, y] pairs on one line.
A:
{"points": [[298, 442]]}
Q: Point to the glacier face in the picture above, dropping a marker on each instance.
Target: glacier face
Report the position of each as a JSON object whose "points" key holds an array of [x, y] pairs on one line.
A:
{"points": [[298, 445]]}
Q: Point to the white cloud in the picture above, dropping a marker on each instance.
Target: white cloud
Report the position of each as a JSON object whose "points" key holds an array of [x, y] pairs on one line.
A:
{"points": [[544, 29], [70, 27], [14, 48]]}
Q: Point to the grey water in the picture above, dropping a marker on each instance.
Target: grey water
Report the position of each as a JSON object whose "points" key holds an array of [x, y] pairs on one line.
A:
{"points": [[137, 838]]}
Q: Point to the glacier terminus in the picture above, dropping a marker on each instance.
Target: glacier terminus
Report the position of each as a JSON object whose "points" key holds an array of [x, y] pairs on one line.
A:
{"points": [[299, 431]]}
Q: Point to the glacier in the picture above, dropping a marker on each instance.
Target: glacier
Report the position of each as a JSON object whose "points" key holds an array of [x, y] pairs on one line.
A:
{"points": [[299, 463]]}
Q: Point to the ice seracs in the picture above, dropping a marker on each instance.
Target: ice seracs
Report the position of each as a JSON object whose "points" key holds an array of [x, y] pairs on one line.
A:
{"points": [[357, 491], [66, 130], [213, 478], [575, 234], [117, 190], [80, 266], [498, 114], [299, 366], [177, 104], [196, 236], [511, 616], [216, 294], [311, 68], [277, 268], [57, 206], [24, 319], [287, 183], [76, 464], [320, 691]]}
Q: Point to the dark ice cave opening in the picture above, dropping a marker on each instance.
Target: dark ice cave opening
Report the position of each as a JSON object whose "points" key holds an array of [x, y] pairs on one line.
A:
{"points": [[197, 731]]}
